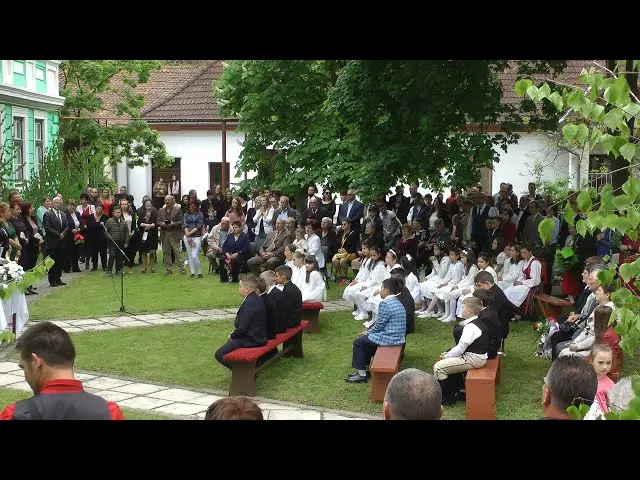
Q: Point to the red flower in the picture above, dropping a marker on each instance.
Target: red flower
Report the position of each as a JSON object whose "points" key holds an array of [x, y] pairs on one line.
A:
{"points": [[535, 326]]}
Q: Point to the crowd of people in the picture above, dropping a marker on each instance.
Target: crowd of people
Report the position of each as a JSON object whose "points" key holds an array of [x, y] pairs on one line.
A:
{"points": [[472, 259]]}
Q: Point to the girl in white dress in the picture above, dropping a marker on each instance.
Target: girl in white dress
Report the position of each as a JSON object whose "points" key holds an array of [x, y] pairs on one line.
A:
{"points": [[313, 287], [463, 287], [289, 250], [483, 266], [454, 275], [300, 242], [440, 262], [374, 299], [498, 255], [377, 274], [297, 271], [532, 277], [314, 246], [361, 277], [512, 271], [410, 279]]}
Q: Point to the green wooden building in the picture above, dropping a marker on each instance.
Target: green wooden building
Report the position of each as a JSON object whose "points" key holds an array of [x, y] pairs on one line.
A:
{"points": [[29, 115]]}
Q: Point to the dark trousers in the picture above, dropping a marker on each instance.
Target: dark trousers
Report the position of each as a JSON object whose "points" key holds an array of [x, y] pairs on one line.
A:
{"points": [[99, 248], [363, 351], [228, 347], [115, 255], [71, 256], [560, 337], [547, 254], [55, 272], [236, 267]]}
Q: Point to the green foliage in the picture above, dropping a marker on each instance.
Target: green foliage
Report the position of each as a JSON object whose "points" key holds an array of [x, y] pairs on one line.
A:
{"points": [[86, 82], [370, 123], [607, 117], [52, 177]]}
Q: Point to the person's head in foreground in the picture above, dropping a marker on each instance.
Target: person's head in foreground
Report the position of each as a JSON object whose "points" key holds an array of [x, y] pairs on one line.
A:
{"points": [[46, 353], [570, 381], [233, 408], [413, 395]]}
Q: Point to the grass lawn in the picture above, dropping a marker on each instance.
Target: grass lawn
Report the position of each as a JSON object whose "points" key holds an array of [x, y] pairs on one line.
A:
{"points": [[8, 396], [93, 294], [183, 355]]}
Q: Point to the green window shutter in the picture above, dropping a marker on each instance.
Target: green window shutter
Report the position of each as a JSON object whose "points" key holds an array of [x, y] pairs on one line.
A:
{"points": [[52, 128], [20, 73], [41, 76]]}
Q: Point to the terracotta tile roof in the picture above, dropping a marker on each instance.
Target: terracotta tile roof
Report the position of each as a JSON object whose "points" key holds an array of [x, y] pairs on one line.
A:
{"points": [[570, 75], [192, 102], [167, 90]]}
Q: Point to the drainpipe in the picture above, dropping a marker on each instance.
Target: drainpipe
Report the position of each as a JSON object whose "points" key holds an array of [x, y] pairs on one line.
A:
{"points": [[223, 169]]}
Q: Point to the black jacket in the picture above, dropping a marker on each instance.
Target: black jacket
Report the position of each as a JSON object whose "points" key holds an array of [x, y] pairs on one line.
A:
{"points": [[251, 322], [490, 318], [290, 307]]}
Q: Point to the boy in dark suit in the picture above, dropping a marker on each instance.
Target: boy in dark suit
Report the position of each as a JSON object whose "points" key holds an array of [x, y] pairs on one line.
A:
{"points": [[251, 321], [499, 302], [270, 294], [290, 307]]}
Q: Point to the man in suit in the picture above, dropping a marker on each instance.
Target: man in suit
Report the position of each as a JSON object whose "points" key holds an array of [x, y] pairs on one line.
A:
{"points": [[489, 316], [390, 329], [523, 214], [315, 213], [170, 228], [351, 209], [56, 228], [251, 321], [266, 282], [285, 211], [399, 204], [271, 253], [498, 301], [276, 298], [311, 195]]}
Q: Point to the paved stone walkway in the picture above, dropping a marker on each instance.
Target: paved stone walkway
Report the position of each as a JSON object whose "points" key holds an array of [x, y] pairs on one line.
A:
{"points": [[166, 400], [147, 320], [174, 402]]}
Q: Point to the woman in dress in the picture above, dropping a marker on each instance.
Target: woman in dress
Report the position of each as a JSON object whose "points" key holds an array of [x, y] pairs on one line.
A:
{"points": [[148, 236], [532, 277], [313, 288], [512, 267], [440, 263], [462, 288]]}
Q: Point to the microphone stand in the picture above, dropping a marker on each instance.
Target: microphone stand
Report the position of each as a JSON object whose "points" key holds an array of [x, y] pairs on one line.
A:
{"points": [[122, 272]]}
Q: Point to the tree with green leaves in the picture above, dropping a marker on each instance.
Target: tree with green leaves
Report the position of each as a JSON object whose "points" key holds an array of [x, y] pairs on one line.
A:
{"points": [[604, 116], [369, 124], [85, 85]]}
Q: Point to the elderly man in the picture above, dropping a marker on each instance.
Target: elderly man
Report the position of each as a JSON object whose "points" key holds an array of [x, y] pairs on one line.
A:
{"points": [[315, 213], [170, 227], [271, 253], [413, 395], [215, 240], [284, 211]]}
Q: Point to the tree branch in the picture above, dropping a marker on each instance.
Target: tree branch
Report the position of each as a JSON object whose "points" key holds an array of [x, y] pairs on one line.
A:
{"points": [[614, 76]]}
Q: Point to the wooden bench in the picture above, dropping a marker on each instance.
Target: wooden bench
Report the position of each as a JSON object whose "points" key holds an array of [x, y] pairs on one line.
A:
{"points": [[550, 306], [243, 360], [480, 387], [386, 363], [311, 312]]}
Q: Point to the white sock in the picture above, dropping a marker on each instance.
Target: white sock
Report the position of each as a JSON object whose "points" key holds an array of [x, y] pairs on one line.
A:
{"points": [[362, 373]]}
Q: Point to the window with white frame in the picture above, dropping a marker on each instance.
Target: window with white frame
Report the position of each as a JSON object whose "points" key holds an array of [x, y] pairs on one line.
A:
{"points": [[39, 143], [18, 148]]}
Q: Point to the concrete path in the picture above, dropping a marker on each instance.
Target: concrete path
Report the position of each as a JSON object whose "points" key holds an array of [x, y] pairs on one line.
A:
{"points": [[178, 403]]}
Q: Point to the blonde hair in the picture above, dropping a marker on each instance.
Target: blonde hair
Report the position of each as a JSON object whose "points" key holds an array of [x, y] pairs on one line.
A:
{"points": [[600, 348]]}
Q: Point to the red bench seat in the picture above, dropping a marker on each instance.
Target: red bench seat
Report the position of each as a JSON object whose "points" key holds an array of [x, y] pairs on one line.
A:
{"points": [[243, 360], [311, 312]]}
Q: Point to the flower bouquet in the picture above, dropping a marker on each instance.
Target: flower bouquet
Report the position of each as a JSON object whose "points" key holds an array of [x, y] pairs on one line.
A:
{"points": [[78, 239], [545, 329], [10, 271]]}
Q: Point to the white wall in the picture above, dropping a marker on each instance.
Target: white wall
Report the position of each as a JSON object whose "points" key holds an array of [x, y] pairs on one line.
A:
{"points": [[517, 164], [196, 148]]}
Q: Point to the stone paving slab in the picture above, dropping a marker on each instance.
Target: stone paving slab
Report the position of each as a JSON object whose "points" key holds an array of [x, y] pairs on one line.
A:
{"points": [[175, 402]]}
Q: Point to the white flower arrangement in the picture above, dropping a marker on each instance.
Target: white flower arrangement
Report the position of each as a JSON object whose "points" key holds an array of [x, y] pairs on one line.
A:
{"points": [[10, 272]]}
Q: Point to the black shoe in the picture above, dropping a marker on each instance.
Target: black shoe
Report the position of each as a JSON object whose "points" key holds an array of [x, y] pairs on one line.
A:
{"points": [[54, 284], [357, 379], [60, 282], [355, 374], [94, 269]]}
